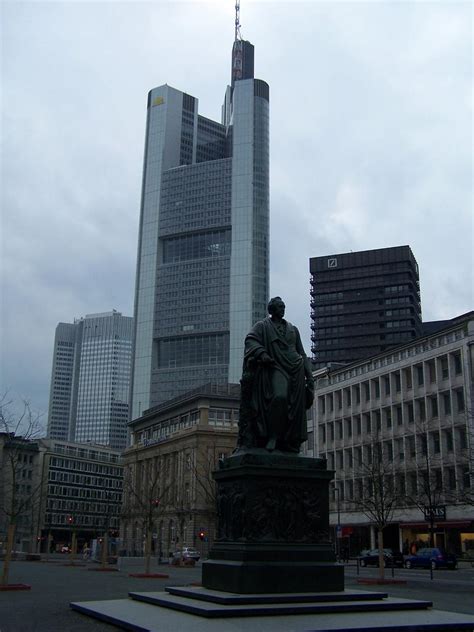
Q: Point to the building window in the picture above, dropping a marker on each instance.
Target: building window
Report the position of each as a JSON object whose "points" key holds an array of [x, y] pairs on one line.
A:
{"points": [[465, 477], [322, 434], [322, 405], [447, 403], [348, 428], [348, 396], [411, 414], [419, 375], [460, 400], [376, 384], [398, 384], [436, 442], [423, 445], [457, 363], [432, 371], [434, 407], [444, 367], [359, 426], [386, 381], [438, 480], [368, 424], [408, 380], [462, 438], [451, 477], [367, 391], [399, 415], [448, 435], [401, 485], [421, 410], [378, 420]]}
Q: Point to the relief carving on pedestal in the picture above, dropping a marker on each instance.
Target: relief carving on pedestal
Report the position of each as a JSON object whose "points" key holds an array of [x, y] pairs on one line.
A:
{"points": [[278, 512]]}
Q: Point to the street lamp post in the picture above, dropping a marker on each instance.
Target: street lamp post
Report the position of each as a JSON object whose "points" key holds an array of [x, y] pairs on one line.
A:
{"points": [[338, 527]]}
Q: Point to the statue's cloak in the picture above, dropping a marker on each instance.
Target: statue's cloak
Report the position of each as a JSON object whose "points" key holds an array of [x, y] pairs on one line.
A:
{"points": [[286, 350]]}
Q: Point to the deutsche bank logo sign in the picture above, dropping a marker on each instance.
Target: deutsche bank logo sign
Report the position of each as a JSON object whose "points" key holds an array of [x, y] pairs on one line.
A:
{"points": [[332, 263]]}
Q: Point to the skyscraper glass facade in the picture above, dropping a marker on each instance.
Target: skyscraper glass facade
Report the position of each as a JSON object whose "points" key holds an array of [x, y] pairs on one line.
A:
{"points": [[90, 386], [202, 270]]}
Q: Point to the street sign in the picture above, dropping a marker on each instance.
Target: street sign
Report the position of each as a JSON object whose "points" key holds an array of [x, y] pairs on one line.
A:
{"points": [[435, 513]]}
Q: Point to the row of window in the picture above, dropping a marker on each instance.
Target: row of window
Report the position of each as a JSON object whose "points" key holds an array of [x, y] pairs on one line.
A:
{"points": [[431, 444], [408, 486]]}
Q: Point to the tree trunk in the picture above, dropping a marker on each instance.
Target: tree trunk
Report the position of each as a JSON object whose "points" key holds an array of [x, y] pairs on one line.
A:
{"points": [[8, 553], [381, 560], [48, 548], [147, 552], [72, 554], [431, 529], [105, 550]]}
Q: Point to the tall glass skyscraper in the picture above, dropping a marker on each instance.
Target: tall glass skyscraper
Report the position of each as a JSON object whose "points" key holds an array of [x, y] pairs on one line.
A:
{"points": [[90, 381], [203, 251]]}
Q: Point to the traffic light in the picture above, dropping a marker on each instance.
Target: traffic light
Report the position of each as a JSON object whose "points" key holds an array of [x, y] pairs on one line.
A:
{"points": [[202, 535], [155, 502], [70, 519]]}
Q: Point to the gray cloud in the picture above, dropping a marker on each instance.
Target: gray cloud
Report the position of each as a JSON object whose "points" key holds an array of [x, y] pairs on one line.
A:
{"points": [[371, 142]]}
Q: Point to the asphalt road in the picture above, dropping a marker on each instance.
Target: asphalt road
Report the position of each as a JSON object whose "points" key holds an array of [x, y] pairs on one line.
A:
{"points": [[45, 608]]}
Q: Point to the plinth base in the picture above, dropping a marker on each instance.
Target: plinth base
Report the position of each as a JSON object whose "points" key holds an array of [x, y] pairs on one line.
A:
{"points": [[273, 525], [271, 577]]}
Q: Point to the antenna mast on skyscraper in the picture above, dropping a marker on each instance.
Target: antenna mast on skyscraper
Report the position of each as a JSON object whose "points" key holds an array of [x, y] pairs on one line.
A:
{"points": [[237, 20]]}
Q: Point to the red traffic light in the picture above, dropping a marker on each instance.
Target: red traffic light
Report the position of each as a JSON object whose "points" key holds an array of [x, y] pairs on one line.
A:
{"points": [[70, 519], [202, 535]]}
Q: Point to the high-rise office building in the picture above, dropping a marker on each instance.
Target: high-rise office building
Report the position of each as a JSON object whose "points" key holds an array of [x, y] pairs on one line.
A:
{"points": [[363, 303], [203, 251], [90, 380]]}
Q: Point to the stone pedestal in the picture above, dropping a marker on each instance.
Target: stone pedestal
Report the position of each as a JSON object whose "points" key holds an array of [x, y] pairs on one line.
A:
{"points": [[273, 526]]}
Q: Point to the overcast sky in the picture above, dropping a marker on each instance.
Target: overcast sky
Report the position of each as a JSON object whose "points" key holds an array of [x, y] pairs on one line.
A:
{"points": [[371, 146]]}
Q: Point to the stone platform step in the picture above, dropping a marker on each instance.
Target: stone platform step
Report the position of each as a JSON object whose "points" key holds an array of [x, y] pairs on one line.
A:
{"points": [[209, 609], [225, 598], [129, 614]]}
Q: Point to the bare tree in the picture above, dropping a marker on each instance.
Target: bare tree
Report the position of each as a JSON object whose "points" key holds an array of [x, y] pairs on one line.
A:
{"points": [[20, 494], [207, 461], [465, 493], [379, 498], [145, 496], [429, 493]]}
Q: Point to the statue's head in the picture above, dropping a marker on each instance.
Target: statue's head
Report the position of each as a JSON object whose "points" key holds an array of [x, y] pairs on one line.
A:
{"points": [[276, 306]]}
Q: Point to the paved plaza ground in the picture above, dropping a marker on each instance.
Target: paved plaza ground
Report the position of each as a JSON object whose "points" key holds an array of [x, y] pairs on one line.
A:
{"points": [[45, 608]]}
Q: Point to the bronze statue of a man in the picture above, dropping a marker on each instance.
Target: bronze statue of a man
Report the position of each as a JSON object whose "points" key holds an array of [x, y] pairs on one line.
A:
{"points": [[277, 385]]}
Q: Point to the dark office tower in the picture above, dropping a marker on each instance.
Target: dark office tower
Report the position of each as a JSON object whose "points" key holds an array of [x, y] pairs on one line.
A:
{"points": [[90, 380], [363, 303], [202, 266]]}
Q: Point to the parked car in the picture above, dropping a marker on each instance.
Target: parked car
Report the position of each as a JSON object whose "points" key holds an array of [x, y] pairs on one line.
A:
{"points": [[434, 557], [390, 558], [187, 553]]}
